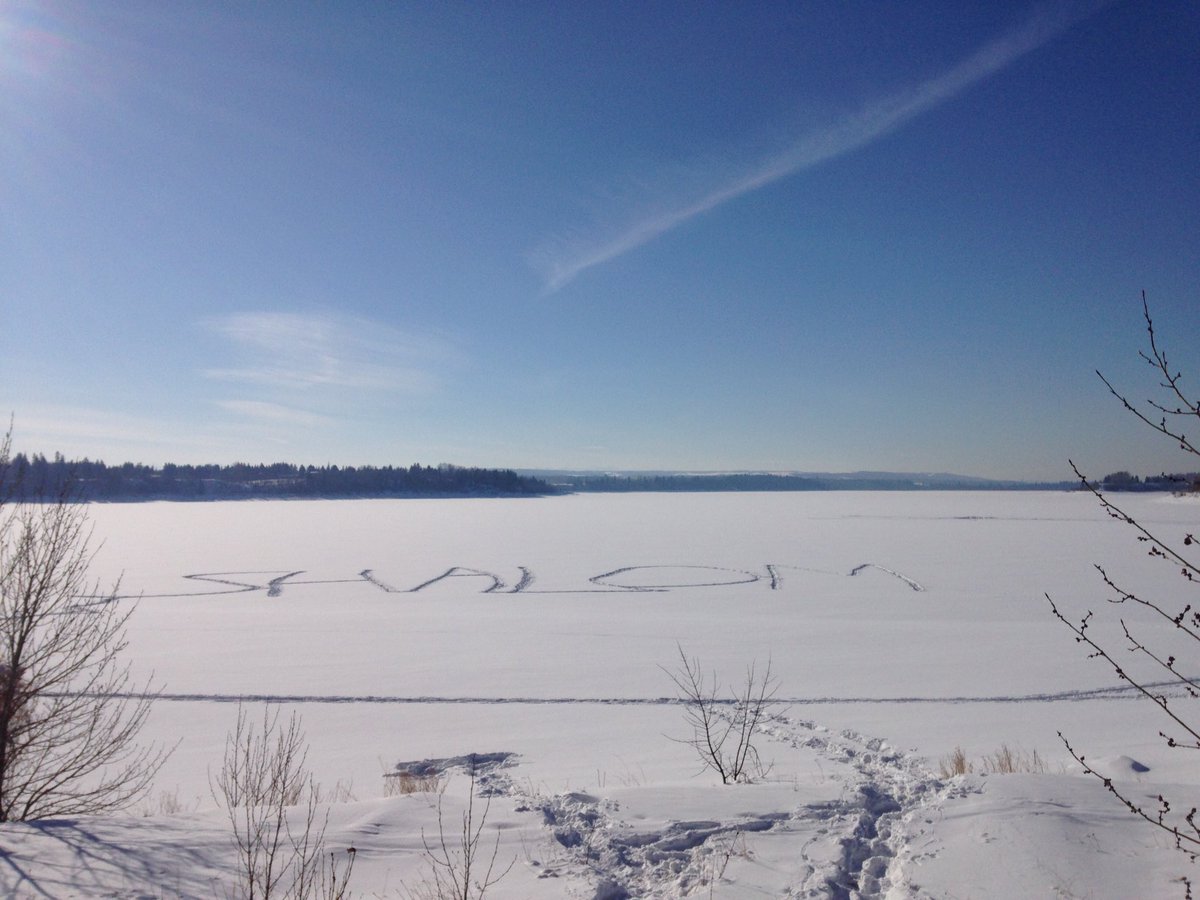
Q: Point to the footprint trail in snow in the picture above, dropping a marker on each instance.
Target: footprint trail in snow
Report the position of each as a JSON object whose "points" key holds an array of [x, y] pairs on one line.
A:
{"points": [[847, 837]]}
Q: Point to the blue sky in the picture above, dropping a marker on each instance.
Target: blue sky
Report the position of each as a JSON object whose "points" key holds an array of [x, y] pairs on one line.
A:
{"points": [[823, 236]]}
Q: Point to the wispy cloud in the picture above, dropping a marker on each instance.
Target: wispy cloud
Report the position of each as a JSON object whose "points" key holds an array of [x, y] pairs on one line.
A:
{"points": [[110, 433], [50, 426], [307, 351], [275, 413], [560, 261]]}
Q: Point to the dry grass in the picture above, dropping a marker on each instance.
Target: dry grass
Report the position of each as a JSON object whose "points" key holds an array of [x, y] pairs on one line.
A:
{"points": [[955, 764], [341, 792], [1005, 761], [396, 784], [169, 803]]}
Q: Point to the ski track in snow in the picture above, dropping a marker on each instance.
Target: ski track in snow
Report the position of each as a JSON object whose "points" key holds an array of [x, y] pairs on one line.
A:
{"points": [[1169, 689]]}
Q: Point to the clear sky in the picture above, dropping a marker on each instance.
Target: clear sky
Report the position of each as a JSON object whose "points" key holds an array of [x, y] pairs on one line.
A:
{"points": [[823, 236]]}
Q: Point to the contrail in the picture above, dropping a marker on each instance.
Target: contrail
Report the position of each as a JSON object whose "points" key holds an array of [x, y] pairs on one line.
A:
{"points": [[853, 131]]}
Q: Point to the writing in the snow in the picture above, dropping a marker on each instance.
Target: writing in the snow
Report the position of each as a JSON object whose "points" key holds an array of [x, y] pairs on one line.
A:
{"points": [[523, 580]]}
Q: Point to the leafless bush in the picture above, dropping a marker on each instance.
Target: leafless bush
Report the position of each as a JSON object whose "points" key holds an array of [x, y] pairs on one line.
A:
{"points": [[459, 866], [70, 714], [263, 775], [724, 726], [1151, 671], [333, 878]]}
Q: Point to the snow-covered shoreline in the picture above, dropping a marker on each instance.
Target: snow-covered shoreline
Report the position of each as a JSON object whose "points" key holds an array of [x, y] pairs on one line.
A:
{"points": [[561, 667]]}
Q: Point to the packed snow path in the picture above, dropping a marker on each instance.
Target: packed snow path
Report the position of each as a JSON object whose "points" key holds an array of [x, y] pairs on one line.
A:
{"points": [[886, 796], [852, 846]]}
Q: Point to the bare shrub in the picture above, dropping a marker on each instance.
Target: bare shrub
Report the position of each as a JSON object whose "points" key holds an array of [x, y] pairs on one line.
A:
{"points": [[1150, 670], [70, 713], [263, 775], [459, 866], [724, 725], [333, 878]]}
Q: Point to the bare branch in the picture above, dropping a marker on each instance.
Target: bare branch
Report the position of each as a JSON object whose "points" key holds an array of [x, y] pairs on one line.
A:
{"points": [[1161, 425], [1161, 417], [1187, 840], [70, 713], [1187, 620], [1100, 652], [1157, 359], [1190, 569], [271, 802], [1168, 664], [455, 865], [716, 722]]}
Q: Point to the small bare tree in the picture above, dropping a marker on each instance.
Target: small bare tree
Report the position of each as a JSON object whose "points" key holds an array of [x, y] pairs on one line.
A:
{"points": [[724, 726], [263, 775], [1150, 671], [461, 869], [69, 712]]}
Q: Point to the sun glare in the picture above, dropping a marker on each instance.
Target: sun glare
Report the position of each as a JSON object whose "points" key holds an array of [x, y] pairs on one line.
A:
{"points": [[31, 45]]}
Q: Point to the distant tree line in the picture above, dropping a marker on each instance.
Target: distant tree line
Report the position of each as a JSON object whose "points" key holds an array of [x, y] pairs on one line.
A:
{"points": [[684, 483], [36, 477], [1124, 481], [764, 481], [861, 481]]}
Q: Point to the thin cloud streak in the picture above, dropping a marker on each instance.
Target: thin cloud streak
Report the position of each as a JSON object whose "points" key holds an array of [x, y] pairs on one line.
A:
{"points": [[852, 132], [305, 351], [97, 433], [274, 413]]}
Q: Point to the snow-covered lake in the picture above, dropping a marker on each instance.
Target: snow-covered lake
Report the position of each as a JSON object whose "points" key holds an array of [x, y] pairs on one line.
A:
{"points": [[900, 625]]}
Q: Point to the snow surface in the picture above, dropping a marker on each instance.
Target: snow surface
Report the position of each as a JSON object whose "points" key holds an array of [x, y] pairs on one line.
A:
{"points": [[901, 626]]}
